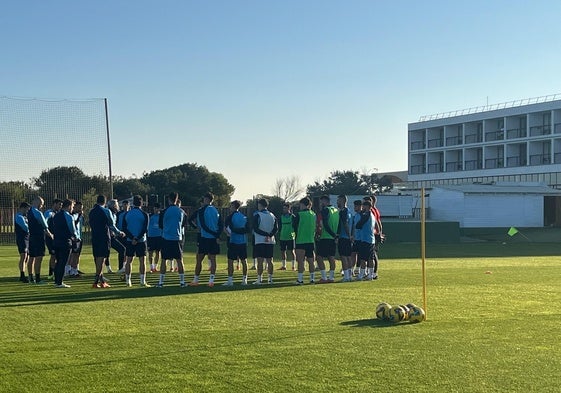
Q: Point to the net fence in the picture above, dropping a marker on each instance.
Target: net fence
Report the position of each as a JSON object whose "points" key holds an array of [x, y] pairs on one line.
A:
{"points": [[53, 149]]}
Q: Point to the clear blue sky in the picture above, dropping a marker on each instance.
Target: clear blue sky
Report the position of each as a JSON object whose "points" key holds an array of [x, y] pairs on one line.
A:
{"points": [[260, 90]]}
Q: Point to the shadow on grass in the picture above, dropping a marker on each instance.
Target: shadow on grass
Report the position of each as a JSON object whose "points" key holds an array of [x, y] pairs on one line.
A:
{"points": [[17, 294], [370, 323], [506, 248]]}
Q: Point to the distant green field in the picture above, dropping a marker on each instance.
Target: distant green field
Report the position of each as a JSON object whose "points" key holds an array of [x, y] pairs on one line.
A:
{"points": [[496, 332]]}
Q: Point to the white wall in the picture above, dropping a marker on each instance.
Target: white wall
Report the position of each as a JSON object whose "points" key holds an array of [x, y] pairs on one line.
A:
{"points": [[446, 205], [487, 210]]}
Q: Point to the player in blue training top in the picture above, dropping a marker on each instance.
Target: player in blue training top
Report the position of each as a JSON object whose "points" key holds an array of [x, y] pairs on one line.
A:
{"points": [[355, 237], [135, 226], [265, 227], [154, 241], [367, 225], [208, 220], [236, 227], [65, 235], [49, 214], [22, 238], [38, 228], [171, 222]]}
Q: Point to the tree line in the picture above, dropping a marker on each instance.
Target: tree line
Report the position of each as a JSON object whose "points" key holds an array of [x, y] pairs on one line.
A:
{"points": [[190, 180]]}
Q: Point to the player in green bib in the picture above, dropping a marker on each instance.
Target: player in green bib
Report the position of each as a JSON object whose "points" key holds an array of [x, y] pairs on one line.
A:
{"points": [[329, 225], [287, 236], [304, 225]]}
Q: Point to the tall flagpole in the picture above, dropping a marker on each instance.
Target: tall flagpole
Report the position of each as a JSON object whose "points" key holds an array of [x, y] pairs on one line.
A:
{"points": [[423, 239]]}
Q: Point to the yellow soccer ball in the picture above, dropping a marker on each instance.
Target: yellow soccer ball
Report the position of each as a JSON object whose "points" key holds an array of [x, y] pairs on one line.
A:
{"points": [[383, 311], [416, 314]]}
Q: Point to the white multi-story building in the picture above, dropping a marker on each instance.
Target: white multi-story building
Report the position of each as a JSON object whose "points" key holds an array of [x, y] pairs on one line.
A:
{"points": [[518, 141]]}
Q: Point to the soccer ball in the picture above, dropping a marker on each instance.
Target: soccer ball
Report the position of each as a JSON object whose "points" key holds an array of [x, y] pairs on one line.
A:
{"points": [[397, 314], [411, 305], [383, 311], [416, 314]]}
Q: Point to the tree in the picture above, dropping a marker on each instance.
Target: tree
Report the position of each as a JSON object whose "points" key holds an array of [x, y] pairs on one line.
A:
{"points": [[288, 188], [68, 182], [12, 193], [339, 182], [275, 205], [191, 181], [348, 183], [125, 188]]}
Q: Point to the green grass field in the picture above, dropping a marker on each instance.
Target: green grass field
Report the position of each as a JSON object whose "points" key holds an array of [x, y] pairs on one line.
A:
{"points": [[494, 332]]}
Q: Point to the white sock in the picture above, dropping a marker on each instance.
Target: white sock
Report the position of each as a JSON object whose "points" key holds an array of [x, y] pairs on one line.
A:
{"points": [[143, 278], [128, 278], [284, 263], [211, 278], [182, 278], [312, 276], [162, 278], [332, 274], [323, 275], [300, 277], [293, 264], [196, 278], [230, 279], [260, 278], [244, 278], [270, 278]]}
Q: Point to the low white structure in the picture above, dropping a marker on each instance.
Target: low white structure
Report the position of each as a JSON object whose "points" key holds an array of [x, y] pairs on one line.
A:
{"points": [[398, 206], [496, 205]]}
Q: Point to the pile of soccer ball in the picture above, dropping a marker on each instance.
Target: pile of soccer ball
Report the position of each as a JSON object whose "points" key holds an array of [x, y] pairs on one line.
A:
{"points": [[396, 314]]}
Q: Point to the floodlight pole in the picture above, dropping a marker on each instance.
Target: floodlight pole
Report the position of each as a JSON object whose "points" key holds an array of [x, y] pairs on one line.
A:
{"points": [[108, 150], [423, 248]]}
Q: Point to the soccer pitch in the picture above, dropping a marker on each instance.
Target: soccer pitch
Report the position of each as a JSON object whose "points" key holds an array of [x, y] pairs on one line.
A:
{"points": [[496, 332]]}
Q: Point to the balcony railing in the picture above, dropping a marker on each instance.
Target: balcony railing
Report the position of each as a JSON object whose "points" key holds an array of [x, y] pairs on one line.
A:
{"points": [[495, 135], [417, 169], [515, 161], [540, 130], [453, 166], [516, 133], [557, 158], [540, 159], [435, 168], [435, 142], [557, 128], [418, 145], [473, 138], [453, 140], [470, 165], [491, 163]]}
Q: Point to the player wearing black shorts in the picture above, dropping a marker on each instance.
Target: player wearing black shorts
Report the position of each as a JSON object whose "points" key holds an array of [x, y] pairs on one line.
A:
{"points": [[236, 227], [286, 236], [135, 226]]}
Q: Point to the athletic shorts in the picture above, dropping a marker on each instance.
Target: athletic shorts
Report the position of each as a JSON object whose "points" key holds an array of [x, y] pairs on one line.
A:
{"points": [[77, 247], [308, 249], [237, 251], [136, 250], [366, 251], [263, 250], [287, 245], [172, 249], [208, 246], [154, 243], [356, 246], [344, 246], [37, 246], [101, 247], [23, 244], [50, 245], [326, 248]]}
